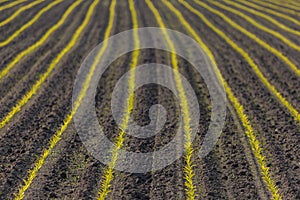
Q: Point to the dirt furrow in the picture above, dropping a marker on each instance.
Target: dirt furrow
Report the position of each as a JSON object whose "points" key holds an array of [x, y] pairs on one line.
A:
{"points": [[221, 174], [62, 171], [272, 67], [229, 171], [27, 71], [160, 183], [279, 18], [32, 33], [8, 12], [67, 166], [266, 23], [274, 125], [30, 131]]}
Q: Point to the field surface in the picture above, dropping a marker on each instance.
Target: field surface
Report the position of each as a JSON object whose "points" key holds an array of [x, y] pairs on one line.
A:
{"points": [[253, 48]]}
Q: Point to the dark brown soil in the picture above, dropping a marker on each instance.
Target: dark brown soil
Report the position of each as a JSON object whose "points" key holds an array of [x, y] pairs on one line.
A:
{"points": [[7, 12], [230, 171]]}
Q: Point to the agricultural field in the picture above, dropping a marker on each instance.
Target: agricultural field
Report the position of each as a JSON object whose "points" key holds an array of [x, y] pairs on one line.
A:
{"points": [[251, 47]]}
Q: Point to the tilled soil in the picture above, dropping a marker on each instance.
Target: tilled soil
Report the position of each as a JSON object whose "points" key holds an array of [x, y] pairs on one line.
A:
{"points": [[230, 171], [29, 35], [26, 73], [8, 12], [268, 117]]}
